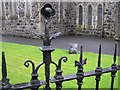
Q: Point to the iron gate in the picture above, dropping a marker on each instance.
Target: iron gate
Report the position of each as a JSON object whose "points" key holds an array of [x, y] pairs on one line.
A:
{"points": [[47, 11]]}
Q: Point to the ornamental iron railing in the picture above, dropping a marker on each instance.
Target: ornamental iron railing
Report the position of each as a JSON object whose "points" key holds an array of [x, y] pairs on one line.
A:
{"points": [[47, 11]]}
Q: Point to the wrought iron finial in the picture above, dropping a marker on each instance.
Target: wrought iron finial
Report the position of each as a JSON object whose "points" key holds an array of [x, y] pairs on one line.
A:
{"points": [[115, 53], [39, 66], [47, 11], [81, 61], [27, 65], [81, 54], [58, 74], [60, 60], [5, 80], [4, 68], [34, 79], [99, 56]]}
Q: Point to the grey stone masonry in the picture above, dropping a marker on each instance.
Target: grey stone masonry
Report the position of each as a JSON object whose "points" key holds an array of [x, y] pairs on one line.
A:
{"points": [[109, 19], [118, 23], [66, 19]]}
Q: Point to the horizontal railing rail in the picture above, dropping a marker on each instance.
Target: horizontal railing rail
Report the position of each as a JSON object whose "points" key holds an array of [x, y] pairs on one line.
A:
{"points": [[86, 74]]}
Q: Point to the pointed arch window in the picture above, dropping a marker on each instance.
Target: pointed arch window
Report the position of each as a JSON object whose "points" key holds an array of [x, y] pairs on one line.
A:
{"points": [[13, 7], [80, 15], [1, 9], [28, 7], [100, 15], [89, 15]]}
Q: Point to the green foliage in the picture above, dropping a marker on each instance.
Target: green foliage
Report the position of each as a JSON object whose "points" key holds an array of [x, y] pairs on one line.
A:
{"points": [[17, 54]]}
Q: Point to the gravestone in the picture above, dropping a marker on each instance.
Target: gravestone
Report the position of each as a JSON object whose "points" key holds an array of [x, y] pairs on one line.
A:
{"points": [[73, 48]]}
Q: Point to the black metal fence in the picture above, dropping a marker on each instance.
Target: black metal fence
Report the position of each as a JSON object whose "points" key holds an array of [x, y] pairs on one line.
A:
{"points": [[47, 11]]}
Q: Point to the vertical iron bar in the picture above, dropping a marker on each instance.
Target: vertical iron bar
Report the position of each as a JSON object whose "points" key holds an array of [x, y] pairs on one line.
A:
{"points": [[99, 57], [46, 41], [79, 81], [115, 53], [112, 83], [98, 69], [47, 75], [114, 68], [81, 55], [5, 81], [79, 87], [47, 55], [80, 73], [80, 70], [97, 85], [4, 69], [58, 85]]}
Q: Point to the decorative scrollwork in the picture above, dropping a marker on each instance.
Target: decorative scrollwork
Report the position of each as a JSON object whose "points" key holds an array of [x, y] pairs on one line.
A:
{"points": [[55, 35], [39, 66], [58, 74], [78, 64], [60, 60], [34, 70], [81, 62], [54, 64], [27, 65], [38, 35], [34, 79]]}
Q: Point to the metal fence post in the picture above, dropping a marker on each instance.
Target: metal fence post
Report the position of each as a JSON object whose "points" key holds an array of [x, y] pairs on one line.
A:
{"points": [[47, 11]]}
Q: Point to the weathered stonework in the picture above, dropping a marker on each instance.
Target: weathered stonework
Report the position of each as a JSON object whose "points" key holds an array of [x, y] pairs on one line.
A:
{"points": [[118, 19], [21, 9], [109, 19], [66, 19]]}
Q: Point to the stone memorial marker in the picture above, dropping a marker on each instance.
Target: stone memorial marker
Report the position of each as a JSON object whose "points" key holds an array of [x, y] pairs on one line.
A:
{"points": [[73, 48]]}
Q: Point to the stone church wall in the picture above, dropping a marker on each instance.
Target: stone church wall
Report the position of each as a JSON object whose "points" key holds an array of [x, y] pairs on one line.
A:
{"points": [[109, 19], [27, 26], [66, 19]]}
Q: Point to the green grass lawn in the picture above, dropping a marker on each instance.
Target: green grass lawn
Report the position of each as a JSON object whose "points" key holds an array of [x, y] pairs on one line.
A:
{"points": [[17, 54]]}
